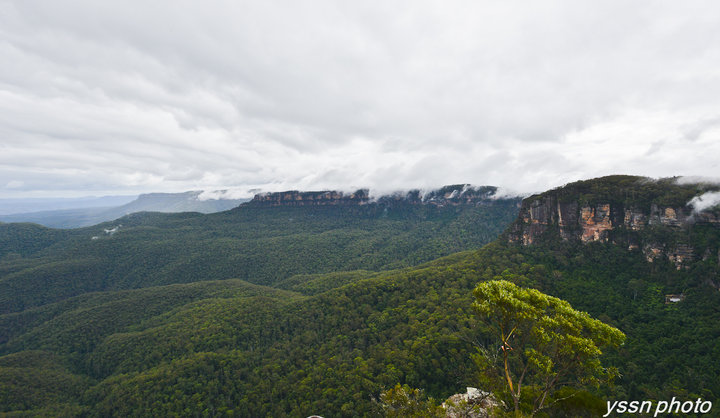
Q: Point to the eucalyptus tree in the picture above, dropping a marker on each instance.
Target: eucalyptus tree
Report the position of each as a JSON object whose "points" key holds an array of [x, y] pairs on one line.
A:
{"points": [[540, 345]]}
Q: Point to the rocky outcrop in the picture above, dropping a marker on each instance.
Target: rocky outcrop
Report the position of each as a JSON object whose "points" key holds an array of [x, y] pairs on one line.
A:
{"points": [[682, 255], [323, 198], [536, 215], [613, 217], [454, 195], [589, 223], [472, 404], [653, 251], [674, 217], [634, 219], [459, 194], [595, 222], [709, 218], [571, 219]]}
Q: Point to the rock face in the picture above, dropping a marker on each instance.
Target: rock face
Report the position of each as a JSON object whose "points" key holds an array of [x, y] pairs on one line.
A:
{"points": [[584, 222], [595, 222], [682, 255], [620, 221], [472, 404], [324, 198], [454, 195]]}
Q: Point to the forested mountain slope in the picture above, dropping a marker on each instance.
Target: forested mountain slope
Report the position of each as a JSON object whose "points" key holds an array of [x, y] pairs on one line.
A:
{"points": [[262, 244], [329, 343]]}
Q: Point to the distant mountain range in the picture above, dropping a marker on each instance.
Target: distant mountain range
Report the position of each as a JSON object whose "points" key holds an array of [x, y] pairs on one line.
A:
{"points": [[60, 213], [13, 206], [453, 195], [96, 210]]}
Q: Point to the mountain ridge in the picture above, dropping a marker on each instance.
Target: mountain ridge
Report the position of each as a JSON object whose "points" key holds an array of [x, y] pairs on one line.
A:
{"points": [[455, 194], [583, 211], [148, 202]]}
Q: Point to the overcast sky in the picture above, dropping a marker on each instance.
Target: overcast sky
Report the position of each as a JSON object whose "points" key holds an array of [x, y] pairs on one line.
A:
{"points": [[118, 97]]}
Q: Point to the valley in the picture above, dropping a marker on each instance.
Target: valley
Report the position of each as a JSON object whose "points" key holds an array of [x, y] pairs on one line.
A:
{"points": [[275, 309]]}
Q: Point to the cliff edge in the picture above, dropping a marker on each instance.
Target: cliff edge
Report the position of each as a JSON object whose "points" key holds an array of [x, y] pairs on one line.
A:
{"points": [[453, 195], [624, 210]]}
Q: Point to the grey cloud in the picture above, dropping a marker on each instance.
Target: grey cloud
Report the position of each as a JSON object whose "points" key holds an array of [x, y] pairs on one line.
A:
{"points": [[655, 147], [693, 131], [698, 179], [168, 96]]}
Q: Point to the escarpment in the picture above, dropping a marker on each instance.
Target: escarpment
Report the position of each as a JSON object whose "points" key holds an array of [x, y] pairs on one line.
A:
{"points": [[322, 198], [628, 211], [453, 195]]}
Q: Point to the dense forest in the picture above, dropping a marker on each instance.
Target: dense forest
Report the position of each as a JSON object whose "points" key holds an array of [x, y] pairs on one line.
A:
{"points": [[299, 311], [262, 245]]}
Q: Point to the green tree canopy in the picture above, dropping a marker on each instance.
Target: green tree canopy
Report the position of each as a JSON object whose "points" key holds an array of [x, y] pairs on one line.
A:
{"points": [[406, 402], [540, 345]]}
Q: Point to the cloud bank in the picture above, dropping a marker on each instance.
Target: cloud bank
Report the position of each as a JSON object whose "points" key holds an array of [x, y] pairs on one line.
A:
{"points": [[120, 97], [705, 201]]}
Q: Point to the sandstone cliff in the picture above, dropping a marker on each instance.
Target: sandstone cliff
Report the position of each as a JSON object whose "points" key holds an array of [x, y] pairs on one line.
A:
{"points": [[618, 209], [323, 198], [453, 195]]}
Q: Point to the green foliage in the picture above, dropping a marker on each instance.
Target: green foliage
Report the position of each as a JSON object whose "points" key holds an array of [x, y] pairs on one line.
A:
{"points": [[403, 401], [312, 284], [320, 310], [260, 245], [287, 354], [23, 239], [544, 344], [260, 351], [37, 379], [630, 191]]}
